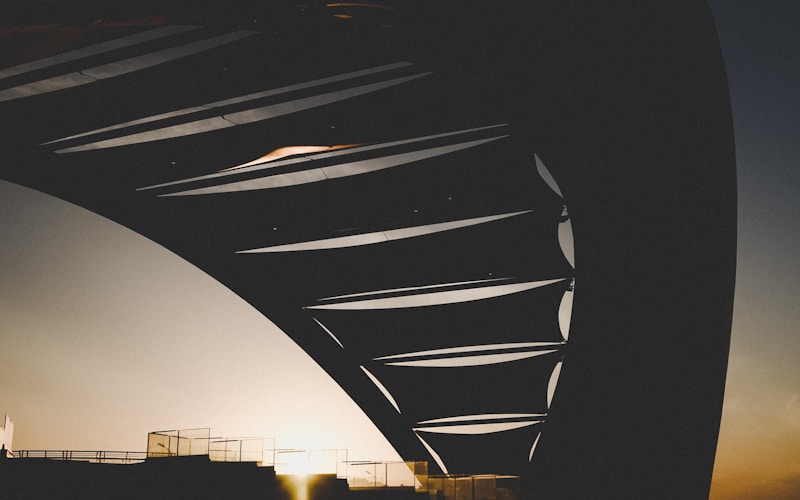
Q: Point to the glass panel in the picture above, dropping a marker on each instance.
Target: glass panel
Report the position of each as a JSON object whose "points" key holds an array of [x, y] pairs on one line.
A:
{"points": [[322, 461], [463, 488], [400, 474], [484, 487]]}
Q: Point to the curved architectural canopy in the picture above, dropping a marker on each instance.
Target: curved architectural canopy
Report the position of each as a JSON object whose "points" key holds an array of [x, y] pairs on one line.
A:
{"points": [[487, 225]]}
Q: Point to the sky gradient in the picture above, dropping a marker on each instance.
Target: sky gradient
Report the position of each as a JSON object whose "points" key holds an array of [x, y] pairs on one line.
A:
{"points": [[758, 455], [105, 336], [108, 336]]}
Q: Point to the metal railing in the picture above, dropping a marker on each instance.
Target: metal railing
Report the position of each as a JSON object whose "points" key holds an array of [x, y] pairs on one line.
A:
{"points": [[247, 449], [178, 443], [474, 487], [115, 457], [384, 475]]}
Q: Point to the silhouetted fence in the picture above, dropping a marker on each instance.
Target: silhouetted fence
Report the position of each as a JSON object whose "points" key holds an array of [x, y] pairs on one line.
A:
{"points": [[117, 457], [474, 487], [247, 449], [381, 475], [178, 443]]}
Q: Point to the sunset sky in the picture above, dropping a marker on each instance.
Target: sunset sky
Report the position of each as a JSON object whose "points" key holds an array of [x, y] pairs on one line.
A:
{"points": [[106, 336], [758, 455]]}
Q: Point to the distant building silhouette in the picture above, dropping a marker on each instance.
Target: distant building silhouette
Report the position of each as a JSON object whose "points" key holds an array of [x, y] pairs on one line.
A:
{"points": [[7, 438]]}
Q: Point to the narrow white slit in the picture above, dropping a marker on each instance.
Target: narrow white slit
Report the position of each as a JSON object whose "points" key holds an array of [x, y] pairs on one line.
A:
{"points": [[328, 332], [553, 382], [118, 68], [92, 50], [565, 314], [236, 100], [373, 164], [469, 349], [547, 176], [533, 448], [239, 118], [436, 457], [473, 429], [482, 416], [436, 298], [466, 361], [334, 171], [137, 63], [566, 241], [413, 288], [379, 236], [320, 156], [381, 388]]}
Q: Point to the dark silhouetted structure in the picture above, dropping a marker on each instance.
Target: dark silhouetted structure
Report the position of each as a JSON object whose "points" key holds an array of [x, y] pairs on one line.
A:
{"points": [[419, 246], [167, 479]]}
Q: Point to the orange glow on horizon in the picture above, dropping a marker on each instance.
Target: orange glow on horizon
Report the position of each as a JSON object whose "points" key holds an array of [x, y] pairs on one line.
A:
{"points": [[758, 452]]}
